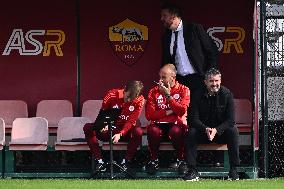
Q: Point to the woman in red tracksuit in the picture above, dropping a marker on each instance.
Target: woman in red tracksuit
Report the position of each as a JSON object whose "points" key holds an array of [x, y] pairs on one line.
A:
{"points": [[131, 103]]}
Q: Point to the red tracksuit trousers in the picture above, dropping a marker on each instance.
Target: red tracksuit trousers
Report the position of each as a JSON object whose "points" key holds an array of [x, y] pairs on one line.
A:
{"points": [[133, 136], [175, 133]]}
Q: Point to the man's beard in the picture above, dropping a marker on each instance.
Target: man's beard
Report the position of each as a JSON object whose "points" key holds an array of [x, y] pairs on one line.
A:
{"points": [[214, 89]]}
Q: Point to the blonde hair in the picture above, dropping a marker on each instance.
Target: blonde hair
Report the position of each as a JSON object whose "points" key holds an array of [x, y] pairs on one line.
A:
{"points": [[134, 88]]}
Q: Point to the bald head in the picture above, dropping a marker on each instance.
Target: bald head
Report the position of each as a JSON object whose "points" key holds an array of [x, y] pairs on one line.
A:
{"points": [[170, 69], [168, 74]]}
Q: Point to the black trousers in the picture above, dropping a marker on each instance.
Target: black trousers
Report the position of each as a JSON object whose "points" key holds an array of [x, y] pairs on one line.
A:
{"points": [[192, 81], [230, 137]]}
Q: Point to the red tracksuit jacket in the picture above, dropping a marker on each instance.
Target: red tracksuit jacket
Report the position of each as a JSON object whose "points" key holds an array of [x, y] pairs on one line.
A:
{"points": [[157, 105], [130, 110]]}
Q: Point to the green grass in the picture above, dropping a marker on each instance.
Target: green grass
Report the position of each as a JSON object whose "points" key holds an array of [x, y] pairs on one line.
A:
{"points": [[135, 184]]}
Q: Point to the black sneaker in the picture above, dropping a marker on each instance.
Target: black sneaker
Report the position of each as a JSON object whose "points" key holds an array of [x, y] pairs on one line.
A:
{"points": [[124, 166], [152, 167], [182, 167], [191, 175], [100, 167], [127, 167], [174, 165], [233, 175], [218, 164]]}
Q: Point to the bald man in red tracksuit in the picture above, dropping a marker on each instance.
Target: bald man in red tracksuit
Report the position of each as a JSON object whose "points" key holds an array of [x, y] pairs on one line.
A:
{"points": [[170, 109], [125, 126]]}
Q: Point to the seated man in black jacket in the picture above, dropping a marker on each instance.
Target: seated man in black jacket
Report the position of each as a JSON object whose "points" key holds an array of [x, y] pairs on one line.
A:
{"points": [[211, 119]]}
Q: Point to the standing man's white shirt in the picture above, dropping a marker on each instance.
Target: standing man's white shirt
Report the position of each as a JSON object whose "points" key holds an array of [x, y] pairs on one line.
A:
{"points": [[182, 62]]}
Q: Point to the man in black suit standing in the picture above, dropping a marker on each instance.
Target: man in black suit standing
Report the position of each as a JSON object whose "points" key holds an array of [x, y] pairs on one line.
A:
{"points": [[188, 47], [212, 119]]}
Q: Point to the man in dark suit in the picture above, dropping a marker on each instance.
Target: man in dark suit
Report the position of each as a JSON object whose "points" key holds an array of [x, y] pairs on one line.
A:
{"points": [[188, 47], [211, 119]]}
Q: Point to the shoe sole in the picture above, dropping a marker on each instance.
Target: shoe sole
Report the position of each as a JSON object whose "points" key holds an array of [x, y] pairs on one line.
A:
{"points": [[230, 179], [103, 170], [99, 171], [193, 180]]}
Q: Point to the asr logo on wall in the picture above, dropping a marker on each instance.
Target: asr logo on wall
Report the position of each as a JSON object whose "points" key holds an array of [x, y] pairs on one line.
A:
{"points": [[232, 43], [128, 40], [28, 44]]}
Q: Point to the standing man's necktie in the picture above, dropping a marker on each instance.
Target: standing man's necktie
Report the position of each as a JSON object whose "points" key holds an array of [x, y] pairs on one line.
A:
{"points": [[175, 47]]}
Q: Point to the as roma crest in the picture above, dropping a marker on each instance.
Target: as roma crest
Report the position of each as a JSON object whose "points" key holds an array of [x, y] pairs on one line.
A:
{"points": [[128, 40]]}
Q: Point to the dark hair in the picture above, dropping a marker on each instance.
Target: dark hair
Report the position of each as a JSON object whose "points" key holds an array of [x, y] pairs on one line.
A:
{"points": [[212, 72], [134, 88], [173, 9]]}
